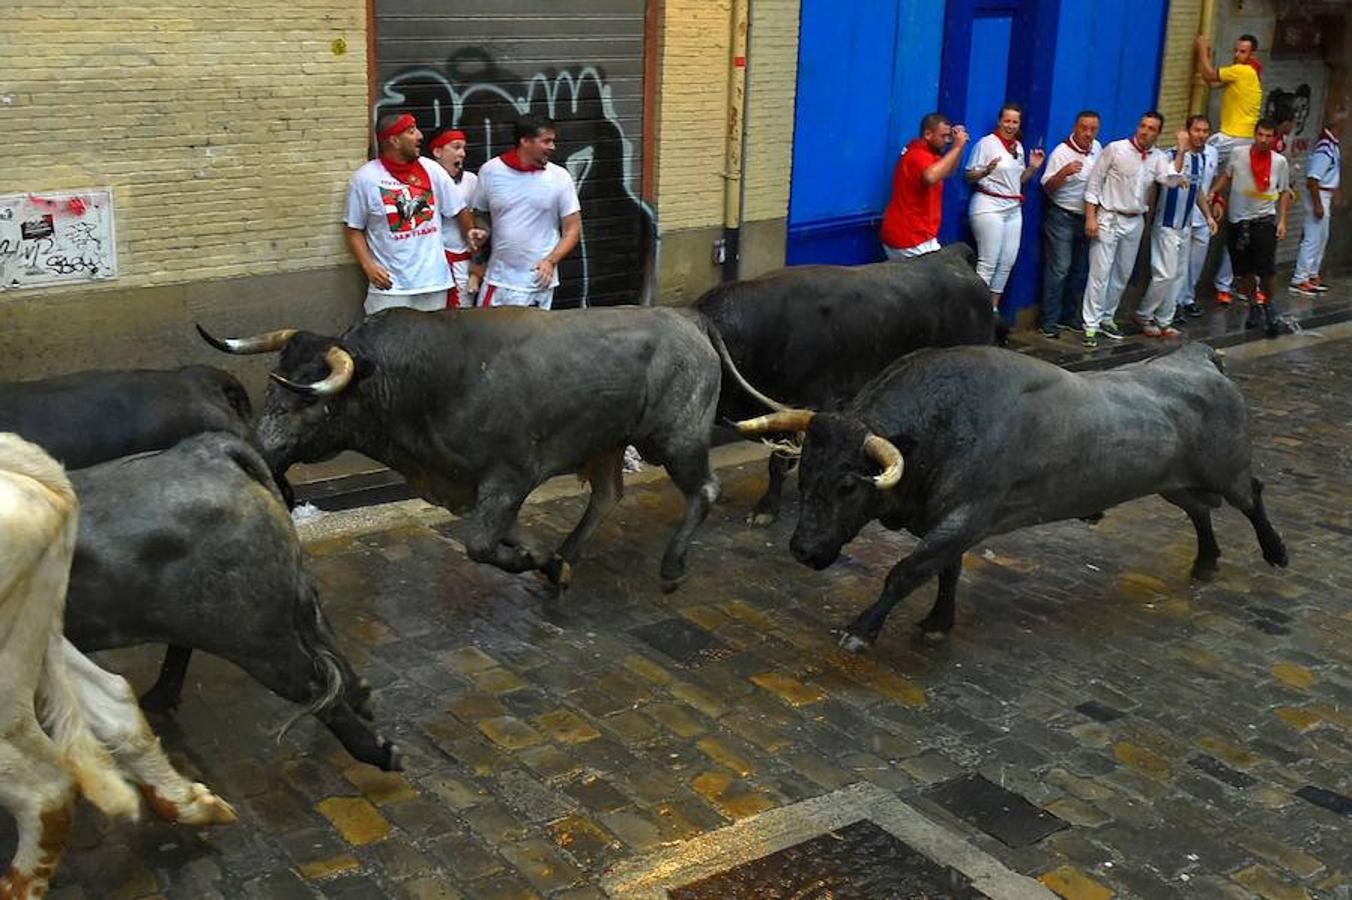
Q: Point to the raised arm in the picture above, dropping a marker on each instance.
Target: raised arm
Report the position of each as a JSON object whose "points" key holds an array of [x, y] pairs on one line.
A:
{"points": [[1205, 65], [941, 169]]}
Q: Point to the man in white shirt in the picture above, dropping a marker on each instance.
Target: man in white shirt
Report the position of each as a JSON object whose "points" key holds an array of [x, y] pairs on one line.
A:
{"points": [[448, 149], [1323, 182], [1065, 247], [1256, 209], [1115, 197], [532, 208], [397, 209], [1173, 245]]}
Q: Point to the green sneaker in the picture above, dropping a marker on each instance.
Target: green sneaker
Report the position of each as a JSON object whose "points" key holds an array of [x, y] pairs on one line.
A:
{"points": [[1090, 339]]}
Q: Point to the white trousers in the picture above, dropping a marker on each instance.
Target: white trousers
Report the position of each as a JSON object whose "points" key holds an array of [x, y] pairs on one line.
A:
{"points": [[1198, 240], [430, 301], [496, 295], [1111, 257], [907, 252], [1168, 269], [997, 244], [1313, 240]]}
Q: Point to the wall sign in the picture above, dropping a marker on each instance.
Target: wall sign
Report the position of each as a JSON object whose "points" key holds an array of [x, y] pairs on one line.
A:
{"points": [[56, 237]]}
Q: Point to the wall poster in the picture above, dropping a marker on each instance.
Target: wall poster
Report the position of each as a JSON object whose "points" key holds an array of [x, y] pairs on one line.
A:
{"points": [[56, 237]]}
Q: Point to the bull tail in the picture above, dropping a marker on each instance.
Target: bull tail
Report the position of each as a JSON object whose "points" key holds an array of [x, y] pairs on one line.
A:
{"points": [[237, 398], [314, 633], [717, 340]]}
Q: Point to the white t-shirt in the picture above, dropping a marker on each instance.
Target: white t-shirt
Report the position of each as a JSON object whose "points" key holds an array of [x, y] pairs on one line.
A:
{"points": [[527, 209], [1007, 179], [1070, 195], [451, 238], [404, 226], [1246, 201]]}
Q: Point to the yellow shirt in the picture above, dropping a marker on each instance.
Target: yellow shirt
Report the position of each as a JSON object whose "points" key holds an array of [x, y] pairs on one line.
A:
{"points": [[1241, 99]]}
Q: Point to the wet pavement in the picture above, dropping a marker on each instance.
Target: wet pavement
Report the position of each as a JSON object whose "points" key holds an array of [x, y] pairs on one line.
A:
{"points": [[1096, 725]]}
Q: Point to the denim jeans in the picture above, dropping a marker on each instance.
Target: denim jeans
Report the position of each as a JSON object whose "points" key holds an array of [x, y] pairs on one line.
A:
{"points": [[1065, 251]]}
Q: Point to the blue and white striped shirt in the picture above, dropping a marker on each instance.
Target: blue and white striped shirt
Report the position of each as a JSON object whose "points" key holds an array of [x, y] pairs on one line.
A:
{"points": [[1177, 206], [1325, 162]]}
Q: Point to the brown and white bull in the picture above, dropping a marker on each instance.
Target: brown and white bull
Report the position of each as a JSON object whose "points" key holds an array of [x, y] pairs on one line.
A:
{"points": [[67, 727]]}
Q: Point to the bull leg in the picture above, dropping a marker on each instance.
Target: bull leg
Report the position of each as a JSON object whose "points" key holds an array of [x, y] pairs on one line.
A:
{"points": [[767, 507], [492, 522], [109, 706], [1250, 503], [164, 695], [40, 795], [1204, 567], [605, 474], [940, 551], [689, 469], [939, 622]]}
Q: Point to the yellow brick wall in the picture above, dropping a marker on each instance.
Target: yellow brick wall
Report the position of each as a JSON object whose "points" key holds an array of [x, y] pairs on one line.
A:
{"points": [[227, 130], [1177, 72], [772, 80], [690, 145]]}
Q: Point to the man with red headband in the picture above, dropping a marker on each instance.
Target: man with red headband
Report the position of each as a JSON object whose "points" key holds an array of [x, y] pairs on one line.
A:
{"points": [[397, 209], [535, 216], [1256, 209], [448, 149]]}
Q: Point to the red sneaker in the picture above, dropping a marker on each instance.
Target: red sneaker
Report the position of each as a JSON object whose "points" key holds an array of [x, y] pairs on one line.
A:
{"points": [[1259, 297], [1306, 287], [1318, 283], [1224, 298]]}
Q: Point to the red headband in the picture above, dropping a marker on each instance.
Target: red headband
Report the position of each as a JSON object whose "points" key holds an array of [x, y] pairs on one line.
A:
{"points": [[445, 138], [398, 125]]}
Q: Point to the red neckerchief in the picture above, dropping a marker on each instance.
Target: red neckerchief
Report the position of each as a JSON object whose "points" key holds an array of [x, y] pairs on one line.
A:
{"points": [[1070, 142], [1139, 149], [512, 160], [1011, 146], [1257, 66], [409, 173], [1261, 164]]}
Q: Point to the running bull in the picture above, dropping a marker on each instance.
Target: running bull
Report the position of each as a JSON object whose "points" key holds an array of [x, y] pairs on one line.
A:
{"points": [[812, 336], [957, 445], [193, 547], [475, 408]]}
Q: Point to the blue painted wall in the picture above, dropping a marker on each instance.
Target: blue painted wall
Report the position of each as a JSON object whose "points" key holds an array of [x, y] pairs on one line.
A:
{"points": [[867, 72]]}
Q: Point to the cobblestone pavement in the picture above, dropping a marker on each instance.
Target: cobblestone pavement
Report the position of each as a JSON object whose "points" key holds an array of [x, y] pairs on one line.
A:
{"points": [[1191, 741]]}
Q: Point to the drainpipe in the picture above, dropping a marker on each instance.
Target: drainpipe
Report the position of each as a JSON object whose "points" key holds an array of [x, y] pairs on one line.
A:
{"points": [[1200, 89], [732, 170]]}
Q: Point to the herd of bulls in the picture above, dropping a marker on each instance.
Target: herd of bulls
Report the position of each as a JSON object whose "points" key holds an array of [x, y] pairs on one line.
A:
{"points": [[884, 377]]}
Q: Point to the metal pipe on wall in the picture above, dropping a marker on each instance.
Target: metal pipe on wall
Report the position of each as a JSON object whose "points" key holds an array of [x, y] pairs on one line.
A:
{"points": [[732, 170], [1200, 89]]}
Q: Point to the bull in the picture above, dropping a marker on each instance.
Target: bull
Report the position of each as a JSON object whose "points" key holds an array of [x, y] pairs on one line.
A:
{"points": [[475, 408], [193, 547], [812, 336], [957, 445]]}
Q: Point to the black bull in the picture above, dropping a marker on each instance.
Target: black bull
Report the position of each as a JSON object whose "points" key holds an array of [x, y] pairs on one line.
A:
{"points": [[812, 336], [986, 440], [192, 547], [476, 408]]}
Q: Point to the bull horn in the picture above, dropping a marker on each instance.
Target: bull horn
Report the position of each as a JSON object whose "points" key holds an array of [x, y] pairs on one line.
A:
{"points": [[268, 342], [884, 453], [341, 367], [788, 420]]}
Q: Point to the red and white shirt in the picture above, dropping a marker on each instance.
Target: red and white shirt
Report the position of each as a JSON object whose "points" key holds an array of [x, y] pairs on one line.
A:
{"points": [[527, 211], [404, 225]]}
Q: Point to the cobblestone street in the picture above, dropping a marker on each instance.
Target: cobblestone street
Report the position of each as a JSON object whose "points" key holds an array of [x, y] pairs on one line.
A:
{"points": [[1169, 739]]}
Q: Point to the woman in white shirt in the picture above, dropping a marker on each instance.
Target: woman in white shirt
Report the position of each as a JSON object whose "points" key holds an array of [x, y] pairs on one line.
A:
{"points": [[998, 170]]}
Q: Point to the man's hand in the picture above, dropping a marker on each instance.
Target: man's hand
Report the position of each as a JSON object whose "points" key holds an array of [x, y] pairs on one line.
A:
{"points": [[990, 166], [1317, 205], [1036, 157], [1281, 229], [477, 238], [1090, 225], [1212, 226], [1203, 45], [1070, 168], [544, 273], [960, 136], [379, 276], [1182, 139]]}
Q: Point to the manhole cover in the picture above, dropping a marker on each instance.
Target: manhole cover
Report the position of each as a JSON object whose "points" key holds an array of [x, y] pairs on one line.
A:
{"points": [[1000, 813], [683, 642], [856, 862]]}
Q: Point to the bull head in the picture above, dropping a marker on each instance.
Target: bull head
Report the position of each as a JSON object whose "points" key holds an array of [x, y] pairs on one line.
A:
{"points": [[879, 449], [340, 362]]}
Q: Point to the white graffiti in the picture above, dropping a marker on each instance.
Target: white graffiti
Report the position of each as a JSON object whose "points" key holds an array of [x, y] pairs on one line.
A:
{"points": [[561, 93]]}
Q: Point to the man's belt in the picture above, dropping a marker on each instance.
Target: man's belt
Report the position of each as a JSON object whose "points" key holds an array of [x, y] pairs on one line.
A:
{"points": [[982, 190]]}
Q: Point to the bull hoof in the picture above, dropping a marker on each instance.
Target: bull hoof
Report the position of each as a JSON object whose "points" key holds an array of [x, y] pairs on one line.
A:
{"points": [[160, 699], [199, 808], [854, 643], [760, 518], [394, 758], [1204, 571], [1278, 557], [558, 572], [671, 584]]}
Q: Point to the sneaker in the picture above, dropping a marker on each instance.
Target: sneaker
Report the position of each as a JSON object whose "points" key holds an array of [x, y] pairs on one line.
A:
{"points": [[1259, 297], [1224, 298], [1110, 330], [1306, 287], [1169, 331], [1319, 284], [1076, 326], [1150, 329], [1090, 339], [1051, 335], [1192, 310]]}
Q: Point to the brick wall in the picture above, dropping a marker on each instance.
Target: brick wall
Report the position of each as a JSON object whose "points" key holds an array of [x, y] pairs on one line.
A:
{"points": [[1177, 73], [771, 87], [227, 130]]}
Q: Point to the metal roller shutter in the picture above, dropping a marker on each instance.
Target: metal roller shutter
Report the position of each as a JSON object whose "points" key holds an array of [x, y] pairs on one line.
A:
{"points": [[478, 64]]}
